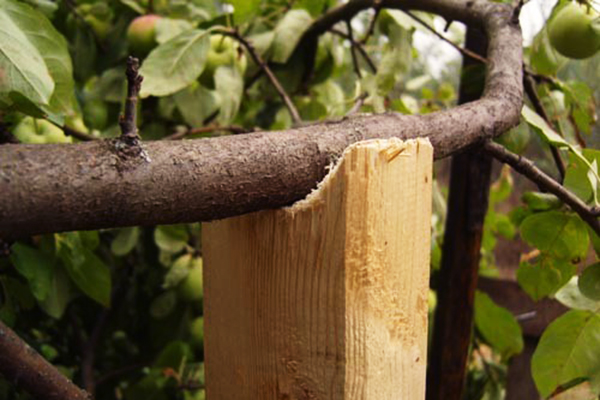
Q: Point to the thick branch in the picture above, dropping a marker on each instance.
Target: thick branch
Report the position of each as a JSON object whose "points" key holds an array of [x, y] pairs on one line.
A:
{"points": [[25, 368], [527, 168], [54, 188]]}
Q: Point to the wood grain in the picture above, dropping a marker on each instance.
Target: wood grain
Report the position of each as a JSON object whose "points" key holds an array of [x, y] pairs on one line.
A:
{"points": [[326, 299]]}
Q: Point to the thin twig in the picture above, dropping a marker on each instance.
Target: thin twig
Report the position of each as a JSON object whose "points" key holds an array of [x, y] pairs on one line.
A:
{"points": [[265, 67], [371, 28], [358, 46], [28, 370], [527, 168], [127, 121], [360, 100], [353, 49], [77, 134], [463, 51], [206, 129], [529, 86]]}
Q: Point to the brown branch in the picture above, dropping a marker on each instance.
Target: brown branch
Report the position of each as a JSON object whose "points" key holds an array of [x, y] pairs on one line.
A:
{"points": [[77, 134], [235, 129], [360, 100], [529, 86], [353, 49], [527, 168], [25, 368], [265, 67], [358, 46], [465, 52], [237, 174]]}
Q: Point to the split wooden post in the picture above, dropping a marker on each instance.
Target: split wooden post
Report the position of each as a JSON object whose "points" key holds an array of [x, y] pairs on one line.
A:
{"points": [[326, 299]]}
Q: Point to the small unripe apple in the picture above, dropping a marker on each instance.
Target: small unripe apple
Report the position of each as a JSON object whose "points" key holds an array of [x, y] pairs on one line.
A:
{"points": [[141, 34], [197, 332], [575, 31], [190, 289], [223, 51], [39, 131]]}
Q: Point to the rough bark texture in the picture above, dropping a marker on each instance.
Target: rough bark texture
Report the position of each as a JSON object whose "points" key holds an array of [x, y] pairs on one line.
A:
{"points": [[23, 366], [467, 206], [54, 188]]}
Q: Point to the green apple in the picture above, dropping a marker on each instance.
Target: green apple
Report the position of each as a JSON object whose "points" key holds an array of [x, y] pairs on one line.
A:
{"points": [[197, 332], [223, 51], [575, 31], [39, 131], [141, 34], [190, 289]]}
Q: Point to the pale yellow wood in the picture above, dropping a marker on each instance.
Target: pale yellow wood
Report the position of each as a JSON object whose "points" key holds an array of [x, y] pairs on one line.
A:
{"points": [[326, 299]]}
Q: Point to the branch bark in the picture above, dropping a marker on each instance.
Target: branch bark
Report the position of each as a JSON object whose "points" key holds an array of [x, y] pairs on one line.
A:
{"points": [[84, 186], [24, 367]]}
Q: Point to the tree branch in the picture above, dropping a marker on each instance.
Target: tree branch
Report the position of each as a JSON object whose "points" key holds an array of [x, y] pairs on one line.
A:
{"points": [[28, 370], [127, 121], [86, 188], [353, 49], [265, 67], [77, 134], [528, 169]]}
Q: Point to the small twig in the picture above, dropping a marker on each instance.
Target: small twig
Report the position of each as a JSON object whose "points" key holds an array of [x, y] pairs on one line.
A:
{"points": [[265, 67], [371, 28], [127, 121], [539, 108], [360, 100], [77, 134], [206, 129], [463, 51], [527, 168], [353, 49], [358, 46], [27, 369]]}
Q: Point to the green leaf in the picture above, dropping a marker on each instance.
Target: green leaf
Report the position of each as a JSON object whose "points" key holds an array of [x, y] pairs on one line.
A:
{"points": [[288, 32], [314, 7], [171, 238], [244, 10], [167, 28], [53, 49], [175, 64], [23, 67], [538, 201], [174, 354], [196, 104], [544, 277], [163, 305], [178, 271], [88, 272], [125, 241], [59, 295], [543, 58], [589, 282], [569, 349], [229, 85], [36, 267], [560, 234], [571, 296], [577, 178], [498, 326]]}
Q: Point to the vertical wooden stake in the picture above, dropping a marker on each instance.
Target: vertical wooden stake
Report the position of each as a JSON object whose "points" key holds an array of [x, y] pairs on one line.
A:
{"points": [[326, 299]]}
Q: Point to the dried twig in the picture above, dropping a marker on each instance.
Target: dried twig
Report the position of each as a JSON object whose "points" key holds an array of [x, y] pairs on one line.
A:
{"points": [[265, 67], [527, 168], [28, 370], [206, 129], [463, 51], [358, 46]]}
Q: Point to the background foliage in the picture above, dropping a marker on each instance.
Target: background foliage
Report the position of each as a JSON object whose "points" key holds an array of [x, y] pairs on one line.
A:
{"points": [[120, 311]]}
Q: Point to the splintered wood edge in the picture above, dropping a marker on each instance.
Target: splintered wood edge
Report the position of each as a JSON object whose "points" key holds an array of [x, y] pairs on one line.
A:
{"points": [[388, 148]]}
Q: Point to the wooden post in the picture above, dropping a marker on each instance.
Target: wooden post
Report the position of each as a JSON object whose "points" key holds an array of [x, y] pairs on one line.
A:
{"points": [[326, 299]]}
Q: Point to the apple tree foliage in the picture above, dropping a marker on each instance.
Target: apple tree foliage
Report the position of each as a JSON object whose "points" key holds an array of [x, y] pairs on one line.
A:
{"points": [[62, 65]]}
